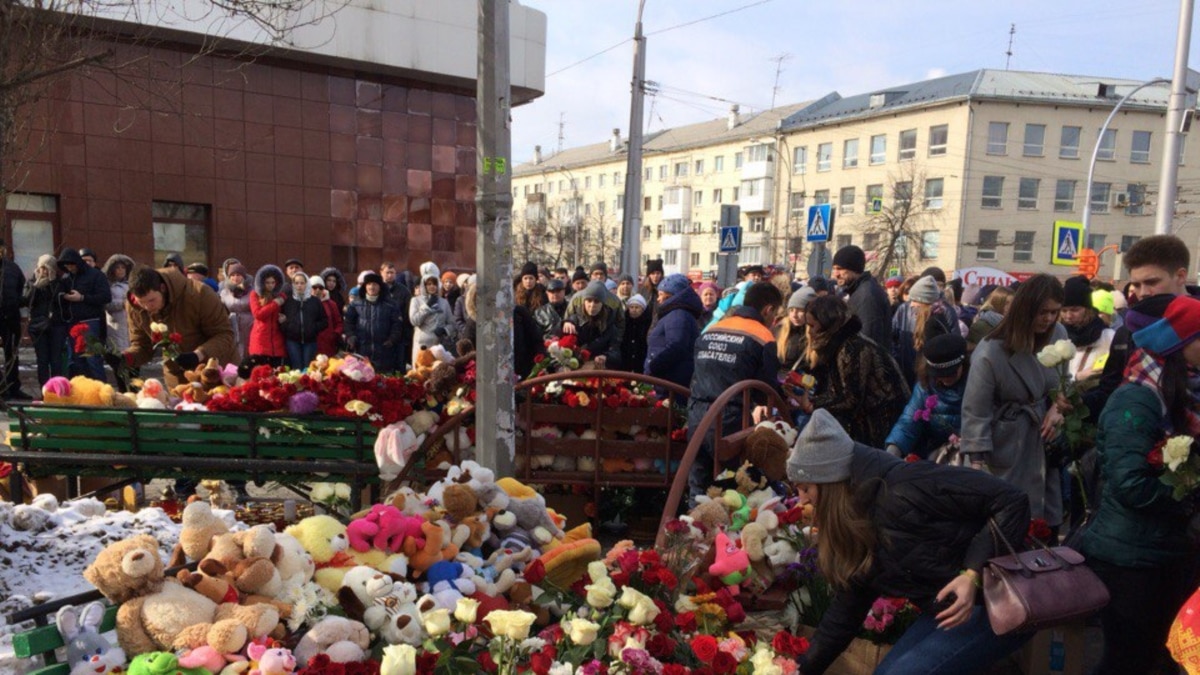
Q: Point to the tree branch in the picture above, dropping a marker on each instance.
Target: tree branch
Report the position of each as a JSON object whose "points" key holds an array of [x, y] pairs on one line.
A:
{"points": [[30, 78]]}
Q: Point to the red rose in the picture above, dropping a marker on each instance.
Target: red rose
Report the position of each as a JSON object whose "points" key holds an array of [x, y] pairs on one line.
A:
{"points": [[686, 621], [660, 646], [426, 662], [675, 669], [911, 458], [539, 358], [535, 571], [486, 664], [1039, 529], [1155, 458], [735, 613], [724, 662], [78, 330], [704, 647], [177, 338], [541, 660]]}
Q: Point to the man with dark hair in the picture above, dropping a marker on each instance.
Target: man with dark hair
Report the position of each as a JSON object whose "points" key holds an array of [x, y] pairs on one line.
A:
{"points": [[400, 294], [12, 289], [184, 306], [82, 294], [739, 347], [562, 274], [198, 271], [867, 299], [599, 271]]}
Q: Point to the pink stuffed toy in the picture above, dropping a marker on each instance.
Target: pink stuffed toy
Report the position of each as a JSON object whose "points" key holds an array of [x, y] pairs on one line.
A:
{"points": [[58, 386], [272, 661], [208, 658], [732, 565], [384, 528], [359, 370]]}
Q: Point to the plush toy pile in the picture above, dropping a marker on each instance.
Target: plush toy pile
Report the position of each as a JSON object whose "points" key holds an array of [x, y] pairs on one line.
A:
{"points": [[476, 574]]}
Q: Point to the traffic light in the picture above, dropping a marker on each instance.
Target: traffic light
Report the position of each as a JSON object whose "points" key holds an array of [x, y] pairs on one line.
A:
{"points": [[1089, 263]]}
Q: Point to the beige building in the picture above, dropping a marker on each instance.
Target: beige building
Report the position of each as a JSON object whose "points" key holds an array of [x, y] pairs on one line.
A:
{"points": [[962, 171]]}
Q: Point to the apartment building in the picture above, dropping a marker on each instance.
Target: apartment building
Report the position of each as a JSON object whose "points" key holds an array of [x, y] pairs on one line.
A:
{"points": [[960, 171]]}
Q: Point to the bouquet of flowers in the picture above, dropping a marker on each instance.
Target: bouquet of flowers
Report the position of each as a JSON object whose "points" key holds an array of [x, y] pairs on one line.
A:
{"points": [[1076, 431], [561, 354], [1179, 465], [161, 337]]}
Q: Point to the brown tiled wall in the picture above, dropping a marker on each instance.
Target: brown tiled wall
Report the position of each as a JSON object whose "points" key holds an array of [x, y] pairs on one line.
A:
{"points": [[292, 162]]}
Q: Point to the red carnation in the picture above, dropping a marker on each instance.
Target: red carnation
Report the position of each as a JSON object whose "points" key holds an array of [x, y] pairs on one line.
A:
{"points": [[686, 621], [541, 660], [660, 646], [79, 330], [724, 662], [5, 469], [1155, 457], [704, 647], [486, 664], [535, 571], [675, 669]]}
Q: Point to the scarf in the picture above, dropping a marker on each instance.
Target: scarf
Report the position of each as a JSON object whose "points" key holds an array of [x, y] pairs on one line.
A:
{"points": [[1146, 370], [372, 298], [1083, 336]]}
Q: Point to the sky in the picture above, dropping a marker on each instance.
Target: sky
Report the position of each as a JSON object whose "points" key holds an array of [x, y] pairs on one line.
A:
{"points": [[851, 47]]}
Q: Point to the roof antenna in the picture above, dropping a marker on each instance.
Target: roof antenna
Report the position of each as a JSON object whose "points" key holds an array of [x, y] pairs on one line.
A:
{"points": [[561, 115], [778, 69], [1012, 31]]}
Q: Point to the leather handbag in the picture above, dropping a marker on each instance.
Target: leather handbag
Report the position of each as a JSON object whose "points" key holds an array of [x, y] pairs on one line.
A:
{"points": [[1039, 588]]}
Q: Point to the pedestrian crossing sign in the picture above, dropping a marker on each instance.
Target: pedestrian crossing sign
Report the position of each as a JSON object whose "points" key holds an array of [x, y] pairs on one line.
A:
{"points": [[731, 239], [1068, 238], [820, 223]]}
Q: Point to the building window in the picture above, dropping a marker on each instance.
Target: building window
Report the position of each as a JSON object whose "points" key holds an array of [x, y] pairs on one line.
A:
{"points": [[796, 203], [587, 209], [1137, 199], [874, 198], [878, 149], [754, 188], [181, 228], [1023, 246], [824, 156], [717, 196], [699, 167], [600, 180], [758, 153], [671, 257], [758, 223], [870, 241], [1140, 152], [662, 172], [846, 201], [1128, 240], [1027, 194], [600, 207], [694, 259], [938, 137], [821, 197], [902, 195], [1100, 196], [715, 225], [850, 153], [649, 174], [646, 233], [697, 198], [997, 138], [1068, 147], [647, 203], [987, 245], [737, 160], [697, 228], [33, 223], [712, 259], [619, 203], [673, 226], [933, 192], [1108, 146], [1064, 195], [681, 169], [719, 163], [660, 202], [1035, 140], [908, 144], [1095, 241], [675, 195], [587, 182], [800, 160], [993, 190], [929, 244], [844, 240]]}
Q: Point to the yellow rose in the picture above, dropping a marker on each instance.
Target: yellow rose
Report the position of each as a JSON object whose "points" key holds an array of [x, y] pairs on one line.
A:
{"points": [[600, 594], [436, 621], [466, 610], [642, 609], [399, 660], [582, 632], [1176, 451], [512, 624], [358, 407]]}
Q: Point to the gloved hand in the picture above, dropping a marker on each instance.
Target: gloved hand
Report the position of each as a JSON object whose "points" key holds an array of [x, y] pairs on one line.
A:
{"points": [[440, 332], [351, 344], [432, 301], [187, 360]]}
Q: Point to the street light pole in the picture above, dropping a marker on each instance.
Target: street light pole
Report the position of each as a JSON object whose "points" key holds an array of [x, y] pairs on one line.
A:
{"points": [[632, 225], [1087, 200], [1168, 184]]}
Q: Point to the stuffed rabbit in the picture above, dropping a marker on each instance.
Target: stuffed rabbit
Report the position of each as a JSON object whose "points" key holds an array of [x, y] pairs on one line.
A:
{"points": [[88, 652]]}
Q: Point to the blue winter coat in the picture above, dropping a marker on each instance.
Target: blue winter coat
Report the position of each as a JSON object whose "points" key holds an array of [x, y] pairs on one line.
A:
{"points": [[670, 344], [373, 328], [920, 437]]}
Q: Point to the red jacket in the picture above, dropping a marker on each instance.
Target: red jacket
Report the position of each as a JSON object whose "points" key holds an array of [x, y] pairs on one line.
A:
{"points": [[266, 335], [327, 340]]}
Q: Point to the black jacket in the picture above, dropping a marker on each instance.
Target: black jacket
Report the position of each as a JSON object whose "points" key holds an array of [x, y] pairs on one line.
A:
{"points": [[40, 300], [869, 302], [369, 325], [304, 319], [633, 343], [12, 290], [527, 341], [599, 335], [738, 347], [89, 281], [671, 344], [931, 522], [549, 318]]}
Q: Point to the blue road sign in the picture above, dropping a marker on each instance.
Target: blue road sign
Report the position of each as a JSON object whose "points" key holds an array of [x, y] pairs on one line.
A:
{"points": [[731, 239], [820, 223]]}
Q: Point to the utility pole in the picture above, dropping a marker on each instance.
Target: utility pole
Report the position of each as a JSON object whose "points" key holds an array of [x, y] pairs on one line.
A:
{"points": [[631, 228], [1012, 33], [494, 406], [1168, 180]]}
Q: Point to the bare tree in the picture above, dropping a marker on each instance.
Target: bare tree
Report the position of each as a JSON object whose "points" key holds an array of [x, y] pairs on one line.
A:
{"points": [[897, 224], [44, 42]]}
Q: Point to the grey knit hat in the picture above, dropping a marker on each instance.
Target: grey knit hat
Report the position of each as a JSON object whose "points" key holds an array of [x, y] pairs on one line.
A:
{"points": [[595, 290], [925, 291], [822, 452], [801, 297]]}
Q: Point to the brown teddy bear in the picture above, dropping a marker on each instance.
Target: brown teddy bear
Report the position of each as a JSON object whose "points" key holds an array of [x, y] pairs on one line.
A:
{"points": [[423, 365], [462, 509], [200, 525], [767, 448], [160, 614], [245, 560], [442, 381]]}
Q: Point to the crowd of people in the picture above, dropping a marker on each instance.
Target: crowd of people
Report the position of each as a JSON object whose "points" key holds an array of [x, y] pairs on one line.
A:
{"points": [[919, 368]]}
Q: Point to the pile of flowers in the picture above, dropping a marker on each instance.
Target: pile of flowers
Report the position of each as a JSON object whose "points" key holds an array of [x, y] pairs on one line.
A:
{"points": [[589, 392], [561, 354]]}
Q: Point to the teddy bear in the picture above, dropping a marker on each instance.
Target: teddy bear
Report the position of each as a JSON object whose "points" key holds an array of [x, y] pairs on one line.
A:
{"points": [[294, 563], [394, 447], [200, 525], [81, 390], [271, 660], [496, 575], [342, 640], [383, 528], [209, 659], [325, 540], [365, 594], [152, 396], [479, 478], [448, 581], [220, 590], [355, 368], [409, 501], [244, 558], [767, 448], [423, 365], [436, 547], [529, 507], [157, 613], [469, 524]]}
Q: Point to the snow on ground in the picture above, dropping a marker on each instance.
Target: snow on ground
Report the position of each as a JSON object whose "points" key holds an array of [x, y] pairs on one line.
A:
{"points": [[45, 546]]}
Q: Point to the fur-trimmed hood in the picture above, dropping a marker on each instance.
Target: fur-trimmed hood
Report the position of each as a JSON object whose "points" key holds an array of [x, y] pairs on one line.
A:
{"points": [[263, 272]]}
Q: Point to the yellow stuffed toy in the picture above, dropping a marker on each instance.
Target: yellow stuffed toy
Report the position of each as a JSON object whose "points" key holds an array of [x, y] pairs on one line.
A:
{"points": [[424, 365], [81, 390]]}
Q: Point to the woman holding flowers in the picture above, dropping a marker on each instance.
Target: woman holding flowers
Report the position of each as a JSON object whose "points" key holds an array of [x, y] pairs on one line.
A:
{"points": [[1139, 542], [1007, 414], [933, 415], [896, 529]]}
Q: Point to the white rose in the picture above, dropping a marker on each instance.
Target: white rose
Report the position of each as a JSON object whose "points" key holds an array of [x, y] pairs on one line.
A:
{"points": [[341, 491], [597, 570], [399, 660], [436, 621], [1065, 349], [156, 327], [1176, 451], [642, 609], [466, 610], [582, 632], [763, 662], [321, 492], [512, 624], [600, 594], [1049, 356]]}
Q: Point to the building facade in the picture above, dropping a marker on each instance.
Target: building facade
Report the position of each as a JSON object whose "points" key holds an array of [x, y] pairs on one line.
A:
{"points": [[356, 150], [968, 170]]}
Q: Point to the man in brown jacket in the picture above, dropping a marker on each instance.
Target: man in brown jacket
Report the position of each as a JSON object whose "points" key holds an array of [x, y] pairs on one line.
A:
{"points": [[187, 307]]}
